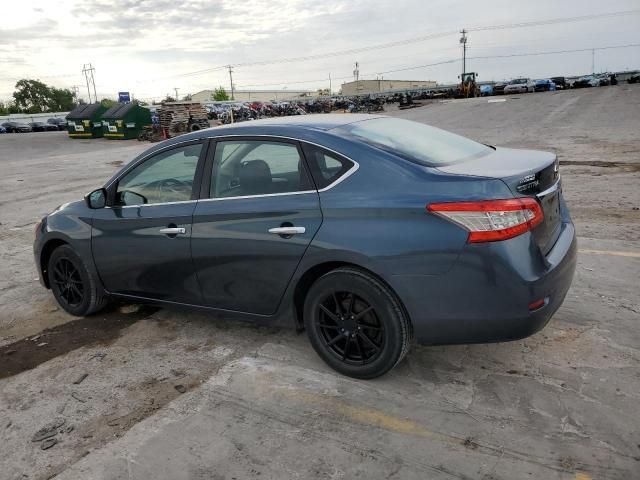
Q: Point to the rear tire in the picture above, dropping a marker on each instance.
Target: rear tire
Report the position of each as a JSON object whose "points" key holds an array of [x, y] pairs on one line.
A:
{"points": [[356, 324], [74, 287]]}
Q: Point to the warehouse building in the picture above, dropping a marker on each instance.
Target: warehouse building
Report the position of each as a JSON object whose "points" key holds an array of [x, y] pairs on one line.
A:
{"points": [[254, 95], [363, 87]]}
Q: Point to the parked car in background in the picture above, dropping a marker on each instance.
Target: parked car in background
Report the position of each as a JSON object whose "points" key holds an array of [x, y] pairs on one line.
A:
{"points": [[498, 88], [587, 81], [520, 85], [604, 79], [486, 90], [635, 78], [284, 220], [544, 85], [43, 127], [16, 127], [60, 123], [3, 130], [561, 82]]}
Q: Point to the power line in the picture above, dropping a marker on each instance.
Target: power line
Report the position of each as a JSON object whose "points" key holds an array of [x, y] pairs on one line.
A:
{"points": [[554, 52], [453, 60], [555, 21], [422, 38]]}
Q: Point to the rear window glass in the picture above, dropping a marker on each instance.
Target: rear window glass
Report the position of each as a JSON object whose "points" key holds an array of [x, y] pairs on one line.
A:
{"points": [[417, 142]]}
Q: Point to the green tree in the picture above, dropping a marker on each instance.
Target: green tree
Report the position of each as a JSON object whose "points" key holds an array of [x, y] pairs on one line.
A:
{"points": [[61, 100], [108, 103], [219, 94], [32, 96], [4, 108], [187, 98], [168, 99]]}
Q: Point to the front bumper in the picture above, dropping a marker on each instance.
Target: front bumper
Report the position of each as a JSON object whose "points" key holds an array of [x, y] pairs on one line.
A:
{"points": [[485, 297]]}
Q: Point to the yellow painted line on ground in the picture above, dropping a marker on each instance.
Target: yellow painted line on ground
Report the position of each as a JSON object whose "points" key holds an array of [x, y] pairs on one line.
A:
{"points": [[80, 134], [609, 252], [583, 476], [114, 134]]}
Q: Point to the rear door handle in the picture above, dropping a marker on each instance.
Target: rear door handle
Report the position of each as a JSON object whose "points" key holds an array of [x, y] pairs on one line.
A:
{"points": [[287, 230], [173, 231]]}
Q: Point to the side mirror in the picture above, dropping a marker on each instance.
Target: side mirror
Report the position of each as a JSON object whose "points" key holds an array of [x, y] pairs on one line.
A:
{"points": [[96, 199]]}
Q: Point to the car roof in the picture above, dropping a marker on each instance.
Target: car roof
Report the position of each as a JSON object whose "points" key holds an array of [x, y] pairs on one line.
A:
{"points": [[317, 122]]}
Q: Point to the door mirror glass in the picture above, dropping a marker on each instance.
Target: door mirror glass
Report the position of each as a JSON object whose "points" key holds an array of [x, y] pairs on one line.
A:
{"points": [[97, 198]]}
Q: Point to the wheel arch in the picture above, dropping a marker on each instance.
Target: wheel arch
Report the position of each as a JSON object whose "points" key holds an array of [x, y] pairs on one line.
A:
{"points": [[309, 277], [45, 255]]}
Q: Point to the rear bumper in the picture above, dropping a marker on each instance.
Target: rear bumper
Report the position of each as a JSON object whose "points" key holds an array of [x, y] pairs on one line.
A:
{"points": [[485, 297]]}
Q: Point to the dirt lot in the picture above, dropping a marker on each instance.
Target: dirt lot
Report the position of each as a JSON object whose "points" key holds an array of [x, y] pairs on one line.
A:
{"points": [[140, 392]]}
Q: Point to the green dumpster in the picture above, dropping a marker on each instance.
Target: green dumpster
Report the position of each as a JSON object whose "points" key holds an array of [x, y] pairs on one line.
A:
{"points": [[85, 121], [125, 121]]}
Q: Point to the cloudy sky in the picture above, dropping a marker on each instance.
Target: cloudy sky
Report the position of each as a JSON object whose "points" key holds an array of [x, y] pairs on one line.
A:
{"points": [[149, 47]]}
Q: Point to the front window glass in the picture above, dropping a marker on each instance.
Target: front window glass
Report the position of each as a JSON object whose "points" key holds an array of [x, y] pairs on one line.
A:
{"points": [[416, 141], [165, 177], [249, 167]]}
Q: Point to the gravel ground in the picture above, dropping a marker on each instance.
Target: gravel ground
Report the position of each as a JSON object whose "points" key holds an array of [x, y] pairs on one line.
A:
{"points": [[141, 392]]}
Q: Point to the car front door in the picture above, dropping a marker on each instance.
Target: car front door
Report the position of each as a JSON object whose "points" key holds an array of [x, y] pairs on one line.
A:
{"points": [[141, 240], [259, 215]]}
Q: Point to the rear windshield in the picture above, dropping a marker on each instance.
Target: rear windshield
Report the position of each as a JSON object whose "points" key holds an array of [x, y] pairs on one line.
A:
{"points": [[417, 142]]}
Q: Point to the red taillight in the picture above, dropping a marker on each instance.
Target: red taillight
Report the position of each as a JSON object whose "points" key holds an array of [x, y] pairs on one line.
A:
{"points": [[537, 304], [492, 220]]}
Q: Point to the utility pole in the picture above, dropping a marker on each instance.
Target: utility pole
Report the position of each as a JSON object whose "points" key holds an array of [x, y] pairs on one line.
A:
{"points": [[87, 71], [463, 41], [356, 72], [329, 83], [75, 89], [231, 81], [593, 60], [176, 90]]}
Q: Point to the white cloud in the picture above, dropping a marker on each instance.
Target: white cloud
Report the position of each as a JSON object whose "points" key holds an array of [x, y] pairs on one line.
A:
{"points": [[141, 45]]}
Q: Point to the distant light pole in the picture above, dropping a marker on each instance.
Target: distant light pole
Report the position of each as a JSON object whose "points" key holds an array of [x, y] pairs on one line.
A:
{"points": [[231, 81], [463, 41]]}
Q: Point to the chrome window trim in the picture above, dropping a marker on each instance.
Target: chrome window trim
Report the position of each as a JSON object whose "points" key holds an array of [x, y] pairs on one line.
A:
{"points": [[151, 204], [551, 189], [242, 197], [354, 168]]}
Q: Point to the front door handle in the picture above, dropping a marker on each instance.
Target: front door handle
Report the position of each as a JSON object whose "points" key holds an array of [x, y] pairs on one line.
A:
{"points": [[173, 231], [287, 230]]}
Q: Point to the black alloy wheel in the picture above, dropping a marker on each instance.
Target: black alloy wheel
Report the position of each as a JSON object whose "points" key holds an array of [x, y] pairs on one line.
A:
{"points": [[350, 328], [68, 282], [74, 286], [355, 323]]}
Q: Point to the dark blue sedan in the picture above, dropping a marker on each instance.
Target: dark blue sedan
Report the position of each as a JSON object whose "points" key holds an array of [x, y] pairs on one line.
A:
{"points": [[367, 231]]}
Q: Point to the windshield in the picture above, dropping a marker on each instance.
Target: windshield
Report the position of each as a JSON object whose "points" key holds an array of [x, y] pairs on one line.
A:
{"points": [[417, 142], [518, 81]]}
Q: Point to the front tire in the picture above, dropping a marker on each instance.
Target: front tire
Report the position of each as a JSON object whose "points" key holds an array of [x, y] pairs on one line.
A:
{"points": [[74, 287], [356, 324]]}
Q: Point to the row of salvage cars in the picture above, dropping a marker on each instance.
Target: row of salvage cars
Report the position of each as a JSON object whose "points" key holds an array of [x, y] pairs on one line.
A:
{"points": [[52, 124]]}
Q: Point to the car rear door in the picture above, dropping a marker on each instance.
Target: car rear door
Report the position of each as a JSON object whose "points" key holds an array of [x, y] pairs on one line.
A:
{"points": [[258, 212], [141, 241]]}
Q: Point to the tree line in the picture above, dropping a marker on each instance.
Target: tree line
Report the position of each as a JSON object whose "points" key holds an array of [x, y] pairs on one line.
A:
{"points": [[34, 96]]}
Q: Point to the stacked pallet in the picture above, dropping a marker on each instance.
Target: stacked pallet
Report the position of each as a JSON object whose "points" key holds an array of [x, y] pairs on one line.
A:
{"points": [[180, 117]]}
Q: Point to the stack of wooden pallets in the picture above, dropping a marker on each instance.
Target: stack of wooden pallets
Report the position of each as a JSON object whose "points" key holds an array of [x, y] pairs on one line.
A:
{"points": [[181, 117]]}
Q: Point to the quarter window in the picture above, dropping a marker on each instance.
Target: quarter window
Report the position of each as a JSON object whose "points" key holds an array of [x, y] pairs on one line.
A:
{"points": [[325, 167], [248, 167], [165, 177]]}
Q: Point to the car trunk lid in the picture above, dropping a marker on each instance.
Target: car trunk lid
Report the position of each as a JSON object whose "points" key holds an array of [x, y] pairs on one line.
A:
{"points": [[527, 173]]}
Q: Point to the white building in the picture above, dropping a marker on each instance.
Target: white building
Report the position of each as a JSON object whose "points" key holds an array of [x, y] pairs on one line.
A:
{"points": [[254, 95]]}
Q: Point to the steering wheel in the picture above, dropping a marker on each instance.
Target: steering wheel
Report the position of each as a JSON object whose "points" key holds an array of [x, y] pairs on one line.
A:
{"points": [[171, 186]]}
